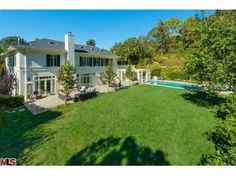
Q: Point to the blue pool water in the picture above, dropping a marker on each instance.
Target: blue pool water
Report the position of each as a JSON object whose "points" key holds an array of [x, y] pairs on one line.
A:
{"points": [[173, 84]]}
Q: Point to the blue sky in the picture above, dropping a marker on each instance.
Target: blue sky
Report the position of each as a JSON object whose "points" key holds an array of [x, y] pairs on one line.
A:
{"points": [[105, 26]]}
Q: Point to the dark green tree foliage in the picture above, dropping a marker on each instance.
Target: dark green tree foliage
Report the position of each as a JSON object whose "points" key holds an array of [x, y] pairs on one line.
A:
{"points": [[131, 50], [91, 42], [5, 43], [65, 77], [163, 37], [228, 109], [11, 40], [224, 135], [212, 51], [119, 49]]}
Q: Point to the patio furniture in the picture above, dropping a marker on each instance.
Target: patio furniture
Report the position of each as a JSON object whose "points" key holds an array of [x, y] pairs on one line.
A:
{"points": [[63, 97], [84, 96], [90, 89], [37, 95], [82, 89]]}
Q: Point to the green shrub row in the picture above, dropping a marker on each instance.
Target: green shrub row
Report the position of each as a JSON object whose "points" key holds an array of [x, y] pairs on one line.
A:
{"points": [[224, 135], [7, 102]]}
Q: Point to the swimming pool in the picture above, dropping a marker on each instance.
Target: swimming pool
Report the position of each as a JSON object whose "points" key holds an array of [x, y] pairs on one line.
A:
{"points": [[179, 85]]}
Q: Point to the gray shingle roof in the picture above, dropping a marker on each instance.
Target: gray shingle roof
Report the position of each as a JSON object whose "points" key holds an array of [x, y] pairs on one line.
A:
{"points": [[54, 45]]}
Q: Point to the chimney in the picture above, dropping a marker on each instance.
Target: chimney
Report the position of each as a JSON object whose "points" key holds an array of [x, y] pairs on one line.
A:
{"points": [[18, 40], [70, 48]]}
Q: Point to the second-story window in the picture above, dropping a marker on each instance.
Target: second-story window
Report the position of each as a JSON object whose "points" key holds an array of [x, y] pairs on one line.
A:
{"points": [[12, 60], [84, 61], [53, 60]]}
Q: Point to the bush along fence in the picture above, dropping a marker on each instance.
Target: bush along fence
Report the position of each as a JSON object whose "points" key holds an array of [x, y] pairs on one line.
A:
{"points": [[7, 102], [224, 135]]}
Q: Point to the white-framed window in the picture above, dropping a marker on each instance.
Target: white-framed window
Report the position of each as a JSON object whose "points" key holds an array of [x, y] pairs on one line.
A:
{"points": [[52, 60], [12, 60]]}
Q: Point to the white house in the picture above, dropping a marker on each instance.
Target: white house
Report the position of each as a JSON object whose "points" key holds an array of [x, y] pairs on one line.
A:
{"points": [[35, 64]]}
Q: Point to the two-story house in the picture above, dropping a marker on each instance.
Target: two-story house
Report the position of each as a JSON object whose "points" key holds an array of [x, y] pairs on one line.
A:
{"points": [[35, 64]]}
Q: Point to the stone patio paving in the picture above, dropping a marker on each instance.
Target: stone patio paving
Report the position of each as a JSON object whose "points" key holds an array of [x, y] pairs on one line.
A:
{"points": [[51, 101], [44, 104]]}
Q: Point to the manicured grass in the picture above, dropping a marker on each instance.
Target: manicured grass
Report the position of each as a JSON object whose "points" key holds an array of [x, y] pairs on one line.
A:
{"points": [[139, 125]]}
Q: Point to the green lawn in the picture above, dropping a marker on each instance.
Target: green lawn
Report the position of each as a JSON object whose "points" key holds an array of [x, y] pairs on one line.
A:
{"points": [[145, 125]]}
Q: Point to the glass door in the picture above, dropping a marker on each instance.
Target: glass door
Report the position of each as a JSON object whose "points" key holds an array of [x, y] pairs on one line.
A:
{"points": [[42, 86], [48, 86]]}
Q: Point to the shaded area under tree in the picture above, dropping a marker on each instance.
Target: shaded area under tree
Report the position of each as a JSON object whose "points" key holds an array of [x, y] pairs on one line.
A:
{"points": [[117, 151]]}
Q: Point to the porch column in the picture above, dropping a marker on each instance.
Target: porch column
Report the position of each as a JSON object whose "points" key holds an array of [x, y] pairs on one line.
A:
{"points": [[149, 77], [51, 84], [138, 76], [146, 75], [55, 82], [45, 86], [141, 75]]}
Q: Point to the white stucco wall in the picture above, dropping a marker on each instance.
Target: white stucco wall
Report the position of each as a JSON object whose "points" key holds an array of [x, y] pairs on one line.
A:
{"points": [[36, 63], [30, 64]]}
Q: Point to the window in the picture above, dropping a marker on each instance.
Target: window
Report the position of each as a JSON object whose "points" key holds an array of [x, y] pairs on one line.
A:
{"points": [[102, 62], [83, 61], [86, 79], [98, 62], [89, 62], [94, 62], [53, 60], [12, 60], [107, 61]]}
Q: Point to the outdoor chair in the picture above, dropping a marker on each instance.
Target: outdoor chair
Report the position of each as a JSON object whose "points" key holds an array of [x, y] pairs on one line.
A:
{"points": [[82, 89]]}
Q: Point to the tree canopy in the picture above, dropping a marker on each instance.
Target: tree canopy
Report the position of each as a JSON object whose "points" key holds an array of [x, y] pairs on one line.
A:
{"points": [[205, 45], [11, 40], [109, 74], [65, 77], [131, 50], [91, 42], [212, 51]]}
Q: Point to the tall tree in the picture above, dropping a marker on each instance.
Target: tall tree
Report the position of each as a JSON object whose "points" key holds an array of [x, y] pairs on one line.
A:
{"points": [[163, 37], [131, 50], [212, 53], [91, 42], [130, 74], [118, 49], [109, 74], [11, 40], [65, 77], [5, 43]]}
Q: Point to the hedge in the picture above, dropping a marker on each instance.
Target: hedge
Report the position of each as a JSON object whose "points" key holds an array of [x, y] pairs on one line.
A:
{"points": [[84, 96], [7, 102]]}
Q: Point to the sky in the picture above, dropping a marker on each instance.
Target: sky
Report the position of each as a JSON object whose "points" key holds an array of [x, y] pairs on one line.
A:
{"points": [[104, 26]]}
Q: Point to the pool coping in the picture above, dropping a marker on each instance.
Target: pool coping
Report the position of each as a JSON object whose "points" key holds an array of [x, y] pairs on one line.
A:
{"points": [[146, 83]]}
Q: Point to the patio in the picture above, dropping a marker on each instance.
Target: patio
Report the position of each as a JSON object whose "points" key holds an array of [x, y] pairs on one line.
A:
{"points": [[43, 104], [37, 106]]}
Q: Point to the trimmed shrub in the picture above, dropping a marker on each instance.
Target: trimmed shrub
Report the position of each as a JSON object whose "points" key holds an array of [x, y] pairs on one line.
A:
{"points": [[227, 109], [7, 102], [84, 96], [224, 138], [224, 135]]}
